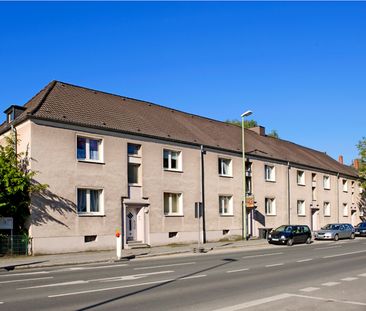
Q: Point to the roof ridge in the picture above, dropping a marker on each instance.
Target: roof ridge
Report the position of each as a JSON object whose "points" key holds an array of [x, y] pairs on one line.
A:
{"points": [[48, 88]]}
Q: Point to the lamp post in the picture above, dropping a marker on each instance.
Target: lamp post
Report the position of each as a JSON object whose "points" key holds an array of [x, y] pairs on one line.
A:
{"points": [[245, 231]]}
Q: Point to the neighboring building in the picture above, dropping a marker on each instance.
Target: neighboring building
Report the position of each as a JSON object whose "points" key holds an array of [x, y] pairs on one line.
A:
{"points": [[113, 162]]}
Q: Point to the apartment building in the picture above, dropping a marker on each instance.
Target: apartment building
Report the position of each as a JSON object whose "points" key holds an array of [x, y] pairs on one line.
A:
{"points": [[116, 163]]}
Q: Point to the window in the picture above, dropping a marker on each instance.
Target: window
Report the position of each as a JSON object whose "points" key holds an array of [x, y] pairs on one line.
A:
{"points": [[345, 185], [225, 167], [345, 209], [133, 149], [172, 160], [301, 207], [173, 204], [326, 182], [326, 206], [225, 205], [270, 206], [133, 173], [90, 201], [89, 149], [10, 116], [313, 193], [313, 178], [301, 178], [270, 173]]}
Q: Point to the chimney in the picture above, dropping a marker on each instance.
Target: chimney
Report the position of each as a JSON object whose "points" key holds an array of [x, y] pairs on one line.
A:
{"points": [[356, 164], [340, 159], [260, 130]]}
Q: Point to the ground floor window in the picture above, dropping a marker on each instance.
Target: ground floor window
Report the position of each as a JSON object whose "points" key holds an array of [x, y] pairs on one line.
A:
{"points": [[326, 209], [301, 207], [90, 201], [173, 204], [226, 205], [270, 206]]}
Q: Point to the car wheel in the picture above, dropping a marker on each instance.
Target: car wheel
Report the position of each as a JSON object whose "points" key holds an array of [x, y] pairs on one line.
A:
{"points": [[352, 236], [290, 242], [308, 240], [336, 237]]}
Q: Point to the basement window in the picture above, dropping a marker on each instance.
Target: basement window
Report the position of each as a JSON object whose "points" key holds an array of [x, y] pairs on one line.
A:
{"points": [[90, 238], [172, 234]]}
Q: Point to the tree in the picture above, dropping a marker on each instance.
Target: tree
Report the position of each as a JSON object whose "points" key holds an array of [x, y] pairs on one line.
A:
{"points": [[247, 123], [273, 134], [16, 185], [361, 146]]}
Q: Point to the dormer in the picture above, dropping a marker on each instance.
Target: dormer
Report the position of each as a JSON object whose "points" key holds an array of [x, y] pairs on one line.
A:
{"points": [[13, 112]]}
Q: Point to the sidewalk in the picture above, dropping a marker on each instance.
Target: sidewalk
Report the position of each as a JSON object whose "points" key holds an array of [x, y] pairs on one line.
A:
{"points": [[18, 262]]}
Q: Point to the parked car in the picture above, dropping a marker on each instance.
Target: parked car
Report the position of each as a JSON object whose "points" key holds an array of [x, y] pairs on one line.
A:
{"points": [[360, 229], [290, 234], [335, 232]]}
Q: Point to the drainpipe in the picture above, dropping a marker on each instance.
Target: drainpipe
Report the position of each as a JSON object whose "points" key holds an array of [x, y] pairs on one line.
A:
{"points": [[288, 193], [14, 130], [338, 197], [203, 152]]}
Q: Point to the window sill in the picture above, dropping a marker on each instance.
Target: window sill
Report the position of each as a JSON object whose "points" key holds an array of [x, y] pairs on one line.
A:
{"points": [[326, 188], [173, 215], [134, 185], [269, 180], [90, 215], [90, 161], [303, 185], [271, 214], [326, 215], [226, 176], [302, 215], [226, 215], [173, 171]]}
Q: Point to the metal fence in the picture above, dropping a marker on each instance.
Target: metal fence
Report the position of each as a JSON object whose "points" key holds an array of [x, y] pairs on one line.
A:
{"points": [[14, 245]]}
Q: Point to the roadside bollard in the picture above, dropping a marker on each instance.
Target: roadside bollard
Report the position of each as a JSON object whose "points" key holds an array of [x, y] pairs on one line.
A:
{"points": [[118, 245]]}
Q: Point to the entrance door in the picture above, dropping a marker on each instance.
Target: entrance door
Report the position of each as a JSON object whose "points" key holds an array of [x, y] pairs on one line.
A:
{"points": [[131, 224], [315, 220]]}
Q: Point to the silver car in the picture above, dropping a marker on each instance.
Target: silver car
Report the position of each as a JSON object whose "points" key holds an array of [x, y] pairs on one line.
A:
{"points": [[335, 232]]}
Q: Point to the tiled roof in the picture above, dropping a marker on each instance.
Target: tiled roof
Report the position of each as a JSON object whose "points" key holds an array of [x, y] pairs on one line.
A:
{"points": [[64, 102]]}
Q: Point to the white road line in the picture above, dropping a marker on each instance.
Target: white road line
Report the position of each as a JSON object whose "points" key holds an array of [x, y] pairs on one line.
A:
{"points": [[193, 277], [343, 254], [109, 288], [349, 279], [24, 280], [130, 277], [331, 300], [309, 289], [261, 255], [254, 303], [22, 274], [274, 265], [1, 302], [331, 284], [93, 268], [315, 249], [162, 266], [363, 275], [238, 270], [304, 260], [56, 284]]}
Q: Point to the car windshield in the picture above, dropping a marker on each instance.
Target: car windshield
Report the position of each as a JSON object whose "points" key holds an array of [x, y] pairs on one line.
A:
{"points": [[331, 227], [361, 224], [283, 228]]}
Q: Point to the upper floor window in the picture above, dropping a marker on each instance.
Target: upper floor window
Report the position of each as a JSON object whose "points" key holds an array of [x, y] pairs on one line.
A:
{"points": [[313, 193], [134, 173], [225, 168], [225, 205], [326, 182], [90, 201], [89, 149], [345, 185], [301, 178], [172, 160], [301, 207], [326, 207], [270, 206], [173, 205], [270, 173], [10, 116], [345, 209], [313, 178], [134, 149]]}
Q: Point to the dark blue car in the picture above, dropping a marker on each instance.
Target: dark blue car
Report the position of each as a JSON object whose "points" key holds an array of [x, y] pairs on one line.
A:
{"points": [[290, 234]]}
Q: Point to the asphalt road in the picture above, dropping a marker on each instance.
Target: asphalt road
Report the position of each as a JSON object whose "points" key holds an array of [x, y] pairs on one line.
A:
{"points": [[320, 276]]}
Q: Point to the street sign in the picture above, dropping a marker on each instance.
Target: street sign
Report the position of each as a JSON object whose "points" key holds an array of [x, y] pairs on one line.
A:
{"points": [[6, 223], [197, 209], [249, 201]]}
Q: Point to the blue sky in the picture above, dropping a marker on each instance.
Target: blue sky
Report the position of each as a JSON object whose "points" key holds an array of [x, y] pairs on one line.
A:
{"points": [[299, 66]]}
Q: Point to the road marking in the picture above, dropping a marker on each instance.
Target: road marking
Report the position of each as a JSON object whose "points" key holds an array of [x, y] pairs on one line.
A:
{"points": [[349, 279], [110, 288], [254, 303], [274, 265], [22, 274], [24, 280], [363, 275], [92, 268], [130, 277], [304, 260], [162, 266], [326, 247], [343, 254], [193, 277], [331, 300], [331, 284], [261, 255], [56, 284], [238, 270], [309, 289]]}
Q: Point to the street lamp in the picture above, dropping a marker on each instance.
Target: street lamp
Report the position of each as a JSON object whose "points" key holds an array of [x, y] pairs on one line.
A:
{"points": [[245, 114]]}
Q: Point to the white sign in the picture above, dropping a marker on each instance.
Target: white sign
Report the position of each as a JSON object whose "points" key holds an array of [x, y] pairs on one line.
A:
{"points": [[6, 223]]}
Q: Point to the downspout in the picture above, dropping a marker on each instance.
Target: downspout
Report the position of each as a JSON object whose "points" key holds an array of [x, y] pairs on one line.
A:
{"points": [[14, 130], [203, 152], [338, 197], [288, 193]]}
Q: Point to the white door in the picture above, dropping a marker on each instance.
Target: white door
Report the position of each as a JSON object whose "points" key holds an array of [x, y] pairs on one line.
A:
{"points": [[130, 224], [315, 220]]}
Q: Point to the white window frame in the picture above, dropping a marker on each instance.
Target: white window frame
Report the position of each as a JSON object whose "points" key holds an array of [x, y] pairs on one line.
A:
{"points": [[170, 207], [87, 149], [327, 209], [271, 208], [300, 176], [138, 165], [345, 185], [222, 200], [221, 167], [101, 202], [269, 172], [345, 210], [179, 161], [138, 154], [301, 208], [326, 182]]}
